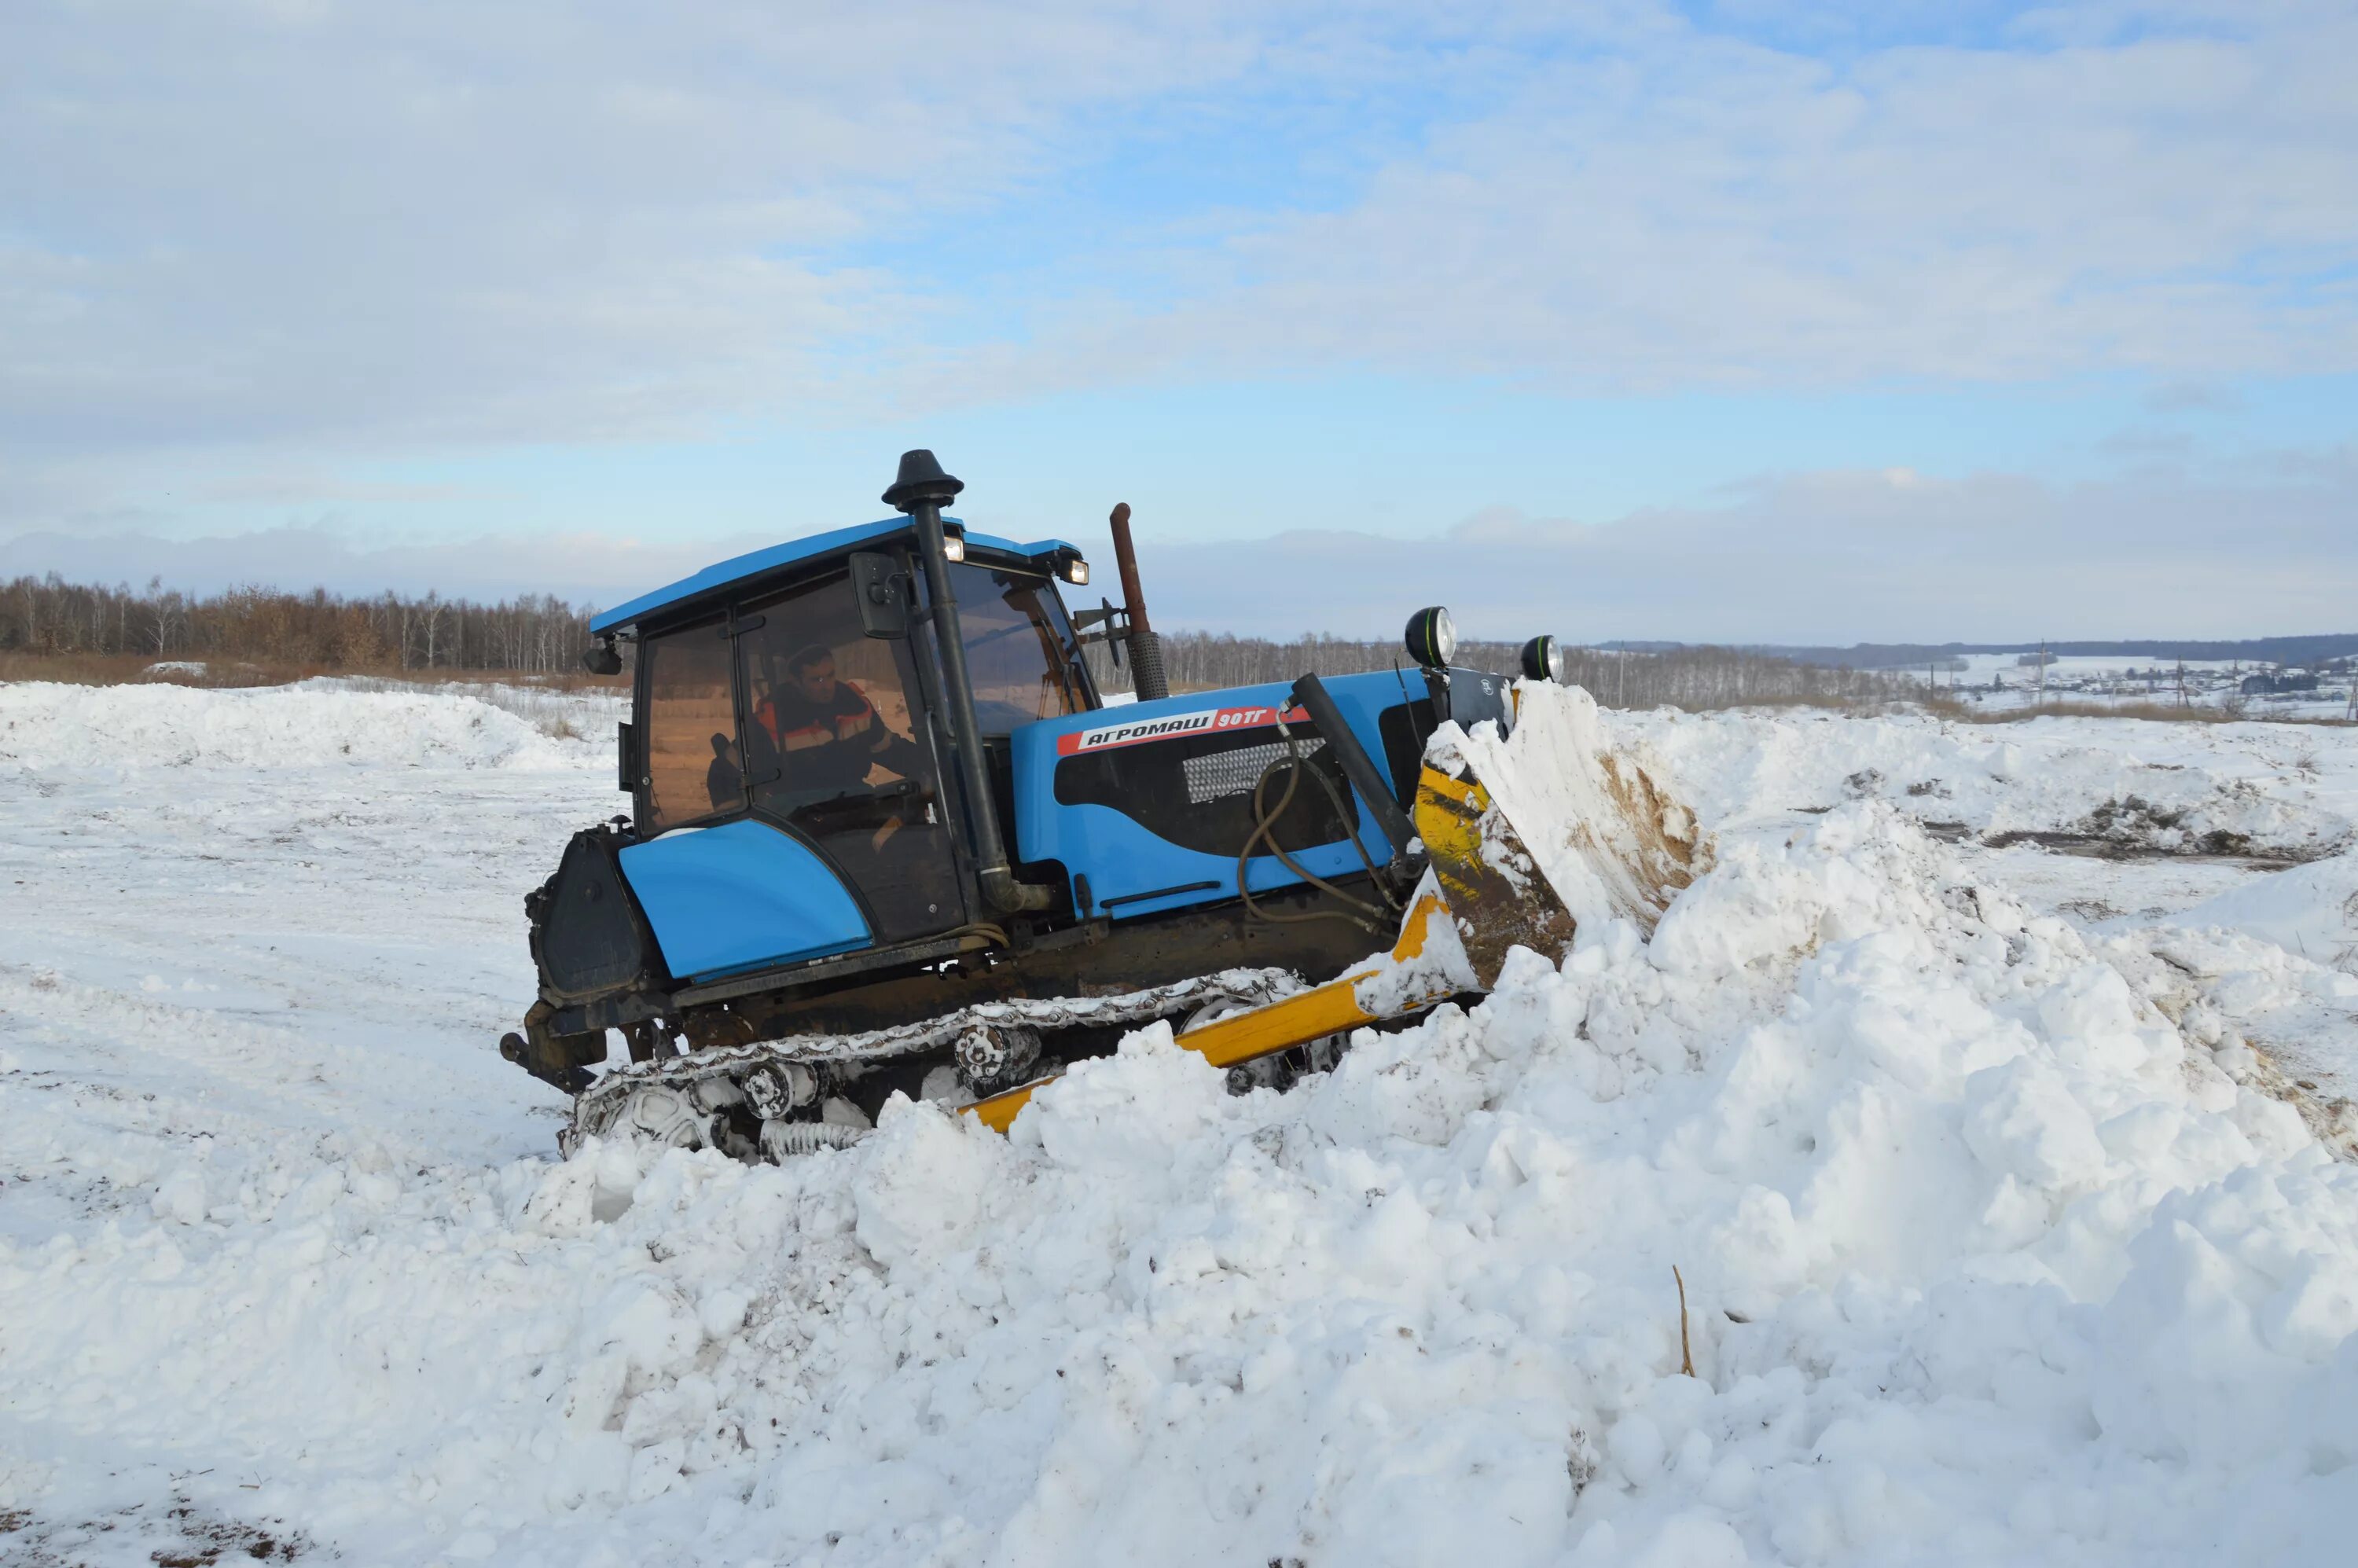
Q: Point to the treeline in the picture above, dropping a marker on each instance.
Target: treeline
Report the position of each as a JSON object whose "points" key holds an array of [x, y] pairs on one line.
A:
{"points": [[319, 629], [1678, 676], [49, 615]]}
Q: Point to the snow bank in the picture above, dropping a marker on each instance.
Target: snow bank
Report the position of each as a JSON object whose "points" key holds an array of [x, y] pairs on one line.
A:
{"points": [[2311, 910], [52, 726], [1985, 1259], [2171, 789]]}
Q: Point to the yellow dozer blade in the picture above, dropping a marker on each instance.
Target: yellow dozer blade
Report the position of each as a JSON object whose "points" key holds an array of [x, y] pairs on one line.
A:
{"points": [[1525, 837]]}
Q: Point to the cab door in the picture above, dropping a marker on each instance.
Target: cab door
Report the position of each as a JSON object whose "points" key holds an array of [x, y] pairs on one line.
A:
{"points": [[787, 812], [837, 748]]}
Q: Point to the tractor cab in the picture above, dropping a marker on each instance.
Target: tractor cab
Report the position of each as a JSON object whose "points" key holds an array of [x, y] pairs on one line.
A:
{"points": [[788, 735]]}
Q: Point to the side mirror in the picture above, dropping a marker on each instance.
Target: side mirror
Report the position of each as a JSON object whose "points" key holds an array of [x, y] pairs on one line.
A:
{"points": [[602, 658], [876, 580]]}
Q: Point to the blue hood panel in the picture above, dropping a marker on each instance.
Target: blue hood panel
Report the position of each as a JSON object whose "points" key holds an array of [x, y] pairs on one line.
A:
{"points": [[737, 896]]}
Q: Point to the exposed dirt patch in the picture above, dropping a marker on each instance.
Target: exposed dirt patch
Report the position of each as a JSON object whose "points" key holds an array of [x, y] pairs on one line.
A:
{"points": [[2135, 828], [2221, 849], [184, 1537]]}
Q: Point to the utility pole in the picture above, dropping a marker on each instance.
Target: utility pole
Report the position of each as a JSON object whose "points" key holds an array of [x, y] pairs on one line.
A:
{"points": [[2181, 683], [2041, 701]]}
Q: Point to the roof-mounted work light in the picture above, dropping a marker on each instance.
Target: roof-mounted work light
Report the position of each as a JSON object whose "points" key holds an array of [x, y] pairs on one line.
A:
{"points": [[1543, 659], [1432, 637]]}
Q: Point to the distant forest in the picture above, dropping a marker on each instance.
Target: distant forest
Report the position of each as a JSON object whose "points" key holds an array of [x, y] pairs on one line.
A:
{"points": [[530, 634], [1676, 677], [546, 635]]}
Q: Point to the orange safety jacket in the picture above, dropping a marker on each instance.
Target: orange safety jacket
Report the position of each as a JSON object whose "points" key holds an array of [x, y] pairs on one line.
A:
{"points": [[824, 746]]}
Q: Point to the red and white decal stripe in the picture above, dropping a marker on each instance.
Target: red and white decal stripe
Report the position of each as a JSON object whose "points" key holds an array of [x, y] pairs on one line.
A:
{"points": [[1170, 726]]}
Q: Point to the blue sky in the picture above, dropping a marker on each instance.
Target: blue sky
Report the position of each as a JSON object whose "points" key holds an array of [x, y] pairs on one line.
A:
{"points": [[1932, 316]]}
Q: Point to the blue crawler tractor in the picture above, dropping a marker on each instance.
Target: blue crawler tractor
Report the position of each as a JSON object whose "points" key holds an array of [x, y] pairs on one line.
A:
{"points": [[886, 835]]}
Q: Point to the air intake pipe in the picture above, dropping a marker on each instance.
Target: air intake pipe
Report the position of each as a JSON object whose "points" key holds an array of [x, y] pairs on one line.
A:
{"points": [[1145, 648], [920, 491]]}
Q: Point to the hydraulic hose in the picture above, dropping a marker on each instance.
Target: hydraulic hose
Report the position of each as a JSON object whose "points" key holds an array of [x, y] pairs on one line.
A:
{"points": [[1358, 911]]}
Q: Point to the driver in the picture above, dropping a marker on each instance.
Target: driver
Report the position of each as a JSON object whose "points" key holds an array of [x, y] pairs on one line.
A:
{"points": [[826, 732]]}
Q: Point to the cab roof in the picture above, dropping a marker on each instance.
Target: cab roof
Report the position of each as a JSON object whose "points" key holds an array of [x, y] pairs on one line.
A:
{"points": [[709, 582]]}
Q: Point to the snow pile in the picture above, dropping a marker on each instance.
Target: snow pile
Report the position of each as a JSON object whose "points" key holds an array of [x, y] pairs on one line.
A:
{"points": [[1985, 1259], [2169, 788], [52, 726], [2311, 910]]}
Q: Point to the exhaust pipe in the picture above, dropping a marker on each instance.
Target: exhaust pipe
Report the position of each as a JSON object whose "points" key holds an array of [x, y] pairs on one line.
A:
{"points": [[1145, 648]]}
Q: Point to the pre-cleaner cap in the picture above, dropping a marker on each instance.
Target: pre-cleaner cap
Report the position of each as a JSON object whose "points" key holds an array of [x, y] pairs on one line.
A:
{"points": [[921, 479]]}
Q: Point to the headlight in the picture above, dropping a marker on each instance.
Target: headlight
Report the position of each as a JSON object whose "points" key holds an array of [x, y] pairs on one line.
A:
{"points": [[953, 547], [1077, 571], [1432, 639], [1543, 660]]}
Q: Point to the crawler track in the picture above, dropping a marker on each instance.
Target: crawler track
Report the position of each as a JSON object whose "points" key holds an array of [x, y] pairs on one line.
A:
{"points": [[772, 1099]]}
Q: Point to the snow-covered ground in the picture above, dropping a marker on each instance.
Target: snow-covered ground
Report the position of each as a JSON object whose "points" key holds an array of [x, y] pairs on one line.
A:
{"points": [[2007, 1233]]}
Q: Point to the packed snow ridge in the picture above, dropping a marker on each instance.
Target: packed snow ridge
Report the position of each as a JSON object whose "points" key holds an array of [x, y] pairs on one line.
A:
{"points": [[52, 726], [2004, 1237]]}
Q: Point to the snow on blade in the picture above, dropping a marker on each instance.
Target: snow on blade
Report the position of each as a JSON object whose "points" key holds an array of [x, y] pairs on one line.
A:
{"points": [[1611, 845], [1992, 1250]]}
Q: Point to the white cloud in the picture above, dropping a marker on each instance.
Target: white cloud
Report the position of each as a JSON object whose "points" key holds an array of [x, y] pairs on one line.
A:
{"points": [[286, 237], [1666, 208], [445, 221]]}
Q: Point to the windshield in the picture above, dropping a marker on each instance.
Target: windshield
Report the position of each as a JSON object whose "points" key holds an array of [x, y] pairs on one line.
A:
{"points": [[1020, 657]]}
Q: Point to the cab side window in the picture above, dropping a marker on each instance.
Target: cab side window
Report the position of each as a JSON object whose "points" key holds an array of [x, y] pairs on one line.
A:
{"points": [[827, 707], [690, 728]]}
